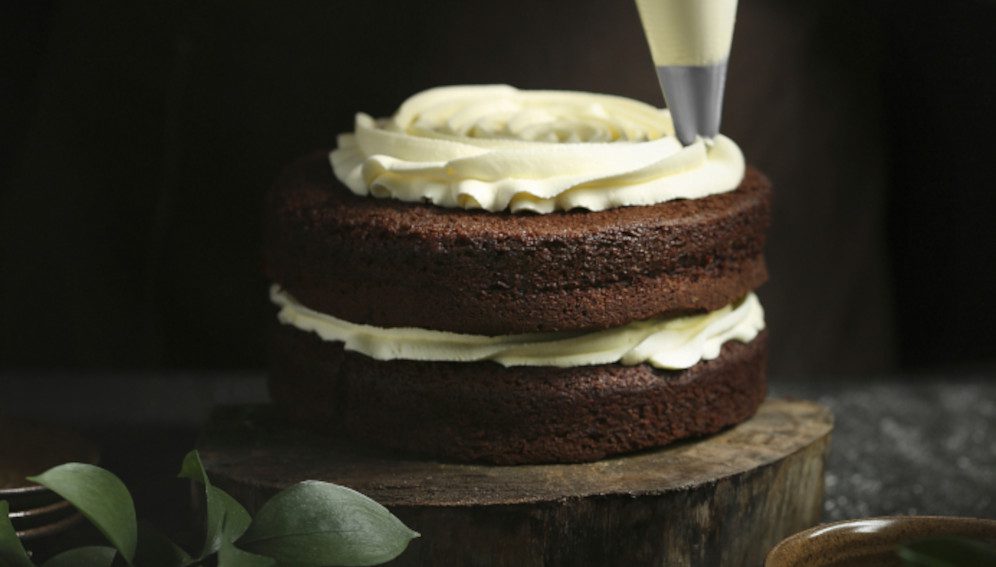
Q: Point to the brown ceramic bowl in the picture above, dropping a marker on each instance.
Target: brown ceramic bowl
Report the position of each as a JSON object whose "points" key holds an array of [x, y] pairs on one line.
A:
{"points": [[871, 541]]}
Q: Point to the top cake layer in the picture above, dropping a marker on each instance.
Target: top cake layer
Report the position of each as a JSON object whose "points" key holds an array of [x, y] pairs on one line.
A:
{"points": [[390, 263], [496, 211]]}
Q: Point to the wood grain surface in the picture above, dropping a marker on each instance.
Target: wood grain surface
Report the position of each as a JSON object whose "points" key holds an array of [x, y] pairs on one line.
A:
{"points": [[721, 500]]}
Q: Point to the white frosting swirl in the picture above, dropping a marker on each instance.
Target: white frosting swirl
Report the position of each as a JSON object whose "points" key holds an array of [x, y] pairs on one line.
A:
{"points": [[498, 148], [672, 343]]}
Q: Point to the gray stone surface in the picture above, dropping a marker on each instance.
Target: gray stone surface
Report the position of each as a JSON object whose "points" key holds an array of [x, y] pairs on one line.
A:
{"points": [[917, 447]]}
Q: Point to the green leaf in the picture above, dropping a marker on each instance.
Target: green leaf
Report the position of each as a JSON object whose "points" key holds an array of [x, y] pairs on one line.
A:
{"points": [[317, 523], [12, 553], [226, 518], [101, 497], [231, 556], [156, 550], [947, 552], [91, 556], [237, 520]]}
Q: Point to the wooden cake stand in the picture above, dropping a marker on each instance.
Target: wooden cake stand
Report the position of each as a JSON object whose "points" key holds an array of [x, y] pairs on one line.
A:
{"points": [[722, 500]]}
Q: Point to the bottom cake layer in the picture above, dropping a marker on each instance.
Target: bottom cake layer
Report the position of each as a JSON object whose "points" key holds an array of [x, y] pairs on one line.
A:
{"points": [[482, 411]]}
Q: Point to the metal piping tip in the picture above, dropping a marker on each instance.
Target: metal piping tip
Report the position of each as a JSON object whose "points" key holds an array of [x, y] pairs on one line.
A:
{"points": [[694, 95]]}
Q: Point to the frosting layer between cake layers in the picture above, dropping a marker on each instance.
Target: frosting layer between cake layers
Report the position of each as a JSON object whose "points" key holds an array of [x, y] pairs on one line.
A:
{"points": [[667, 343], [498, 148]]}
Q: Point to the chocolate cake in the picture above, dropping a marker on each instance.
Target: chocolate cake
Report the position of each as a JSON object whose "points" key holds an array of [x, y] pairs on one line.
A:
{"points": [[482, 332]]}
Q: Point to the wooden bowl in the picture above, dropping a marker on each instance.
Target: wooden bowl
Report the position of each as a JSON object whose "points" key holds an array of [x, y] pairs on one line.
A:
{"points": [[48, 540], [50, 530], [36, 517], [31, 448], [28, 497], [871, 541]]}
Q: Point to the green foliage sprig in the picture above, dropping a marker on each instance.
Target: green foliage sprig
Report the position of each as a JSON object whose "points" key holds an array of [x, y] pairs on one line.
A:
{"points": [[311, 524], [947, 552]]}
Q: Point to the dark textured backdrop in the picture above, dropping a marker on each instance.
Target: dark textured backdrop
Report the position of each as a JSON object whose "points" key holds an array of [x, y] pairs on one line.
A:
{"points": [[138, 138]]}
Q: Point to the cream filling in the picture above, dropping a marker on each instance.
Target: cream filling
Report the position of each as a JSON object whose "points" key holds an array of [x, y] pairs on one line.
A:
{"points": [[498, 148], [667, 343], [688, 32]]}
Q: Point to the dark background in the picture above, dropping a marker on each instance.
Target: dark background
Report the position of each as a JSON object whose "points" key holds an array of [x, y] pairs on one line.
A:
{"points": [[138, 137]]}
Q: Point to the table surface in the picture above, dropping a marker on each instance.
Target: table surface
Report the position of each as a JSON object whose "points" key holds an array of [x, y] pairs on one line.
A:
{"points": [[927, 447], [900, 446]]}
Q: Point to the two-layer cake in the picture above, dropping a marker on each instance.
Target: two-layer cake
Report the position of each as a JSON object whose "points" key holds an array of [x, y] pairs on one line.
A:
{"points": [[518, 277]]}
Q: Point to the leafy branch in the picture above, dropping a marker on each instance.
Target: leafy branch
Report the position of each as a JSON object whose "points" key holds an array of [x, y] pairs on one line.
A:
{"points": [[311, 524], [947, 552]]}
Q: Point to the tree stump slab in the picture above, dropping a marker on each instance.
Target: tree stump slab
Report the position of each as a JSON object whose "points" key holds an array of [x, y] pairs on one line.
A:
{"points": [[723, 500]]}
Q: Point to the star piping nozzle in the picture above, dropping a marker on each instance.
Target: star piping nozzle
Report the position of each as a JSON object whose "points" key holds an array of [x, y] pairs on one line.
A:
{"points": [[694, 95], [690, 44]]}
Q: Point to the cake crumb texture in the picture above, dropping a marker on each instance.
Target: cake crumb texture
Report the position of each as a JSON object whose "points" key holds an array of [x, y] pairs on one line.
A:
{"points": [[394, 264], [481, 411]]}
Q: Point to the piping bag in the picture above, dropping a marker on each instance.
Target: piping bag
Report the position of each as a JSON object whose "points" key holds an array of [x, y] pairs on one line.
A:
{"points": [[690, 44]]}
